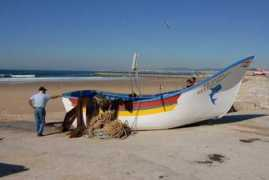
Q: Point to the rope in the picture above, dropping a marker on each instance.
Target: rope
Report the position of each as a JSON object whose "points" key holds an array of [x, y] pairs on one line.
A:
{"points": [[101, 120]]}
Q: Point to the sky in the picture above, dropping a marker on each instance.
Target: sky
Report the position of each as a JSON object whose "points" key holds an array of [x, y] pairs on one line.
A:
{"points": [[104, 34]]}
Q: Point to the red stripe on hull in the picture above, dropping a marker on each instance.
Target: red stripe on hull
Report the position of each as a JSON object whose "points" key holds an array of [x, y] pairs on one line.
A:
{"points": [[74, 101], [151, 104], [139, 105]]}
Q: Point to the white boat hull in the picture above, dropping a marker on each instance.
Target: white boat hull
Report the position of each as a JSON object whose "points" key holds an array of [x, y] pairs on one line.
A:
{"points": [[210, 98]]}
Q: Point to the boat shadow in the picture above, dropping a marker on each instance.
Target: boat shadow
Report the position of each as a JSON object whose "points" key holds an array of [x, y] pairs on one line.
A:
{"points": [[20, 125], [8, 169], [225, 120], [54, 128], [51, 128]]}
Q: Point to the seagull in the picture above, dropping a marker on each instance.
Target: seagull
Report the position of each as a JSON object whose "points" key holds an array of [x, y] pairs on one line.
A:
{"points": [[167, 25]]}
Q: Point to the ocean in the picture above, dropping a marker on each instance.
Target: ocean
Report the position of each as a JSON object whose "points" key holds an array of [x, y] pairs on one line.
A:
{"points": [[44, 73], [24, 76]]}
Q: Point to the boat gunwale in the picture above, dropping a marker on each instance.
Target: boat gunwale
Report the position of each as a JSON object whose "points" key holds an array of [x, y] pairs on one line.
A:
{"points": [[153, 97]]}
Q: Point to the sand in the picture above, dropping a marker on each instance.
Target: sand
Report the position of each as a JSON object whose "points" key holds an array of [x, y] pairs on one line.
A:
{"points": [[254, 93], [234, 147], [14, 97]]}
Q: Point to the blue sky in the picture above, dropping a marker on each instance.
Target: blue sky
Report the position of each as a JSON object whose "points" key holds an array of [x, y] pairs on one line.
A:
{"points": [[96, 35]]}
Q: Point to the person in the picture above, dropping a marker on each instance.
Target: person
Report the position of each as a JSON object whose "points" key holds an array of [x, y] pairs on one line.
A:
{"points": [[193, 80], [38, 102], [190, 82]]}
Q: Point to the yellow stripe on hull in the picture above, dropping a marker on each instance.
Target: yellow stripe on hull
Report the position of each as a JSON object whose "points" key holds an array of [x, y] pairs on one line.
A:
{"points": [[147, 111]]}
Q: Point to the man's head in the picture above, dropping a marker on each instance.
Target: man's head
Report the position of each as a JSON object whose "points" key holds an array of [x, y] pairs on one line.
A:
{"points": [[189, 83], [193, 79], [42, 89]]}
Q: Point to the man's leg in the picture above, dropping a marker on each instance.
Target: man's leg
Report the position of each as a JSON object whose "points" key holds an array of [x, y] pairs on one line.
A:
{"points": [[37, 117], [42, 121]]}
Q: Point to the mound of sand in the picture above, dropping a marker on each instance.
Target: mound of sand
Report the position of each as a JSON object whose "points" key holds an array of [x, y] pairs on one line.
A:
{"points": [[254, 94]]}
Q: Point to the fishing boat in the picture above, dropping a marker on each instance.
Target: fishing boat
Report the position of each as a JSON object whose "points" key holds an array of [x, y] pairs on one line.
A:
{"points": [[207, 99]]}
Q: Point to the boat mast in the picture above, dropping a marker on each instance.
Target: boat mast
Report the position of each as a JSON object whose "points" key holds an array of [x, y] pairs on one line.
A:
{"points": [[134, 75]]}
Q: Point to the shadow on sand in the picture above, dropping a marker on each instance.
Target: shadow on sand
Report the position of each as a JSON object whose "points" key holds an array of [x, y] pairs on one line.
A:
{"points": [[22, 125], [225, 120], [29, 126], [53, 128], [8, 169], [56, 127]]}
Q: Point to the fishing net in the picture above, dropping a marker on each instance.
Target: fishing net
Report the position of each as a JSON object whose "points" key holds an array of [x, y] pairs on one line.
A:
{"points": [[101, 120], [117, 129]]}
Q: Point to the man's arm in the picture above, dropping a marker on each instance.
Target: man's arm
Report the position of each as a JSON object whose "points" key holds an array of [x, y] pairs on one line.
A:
{"points": [[56, 96], [31, 103]]}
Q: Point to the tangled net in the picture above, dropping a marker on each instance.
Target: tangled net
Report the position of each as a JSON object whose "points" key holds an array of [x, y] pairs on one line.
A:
{"points": [[102, 120], [117, 129]]}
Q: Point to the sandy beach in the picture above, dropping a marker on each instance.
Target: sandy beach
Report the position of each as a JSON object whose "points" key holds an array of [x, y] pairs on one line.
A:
{"points": [[140, 90], [16, 95], [234, 147]]}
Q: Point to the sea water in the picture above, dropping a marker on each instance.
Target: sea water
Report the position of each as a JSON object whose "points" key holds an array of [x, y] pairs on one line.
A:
{"points": [[27, 76]]}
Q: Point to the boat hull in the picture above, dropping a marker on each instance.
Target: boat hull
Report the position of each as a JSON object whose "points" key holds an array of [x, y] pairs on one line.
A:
{"points": [[210, 98]]}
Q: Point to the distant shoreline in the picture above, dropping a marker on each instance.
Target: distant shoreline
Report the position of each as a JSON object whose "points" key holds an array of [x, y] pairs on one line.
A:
{"points": [[55, 79], [61, 73]]}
